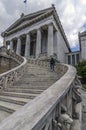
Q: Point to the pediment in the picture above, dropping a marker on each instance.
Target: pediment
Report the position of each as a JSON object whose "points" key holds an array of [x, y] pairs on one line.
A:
{"points": [[28, 18], [83, 33]]}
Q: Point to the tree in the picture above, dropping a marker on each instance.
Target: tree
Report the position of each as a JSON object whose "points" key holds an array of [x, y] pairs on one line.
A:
{"points": [[81, 70]]}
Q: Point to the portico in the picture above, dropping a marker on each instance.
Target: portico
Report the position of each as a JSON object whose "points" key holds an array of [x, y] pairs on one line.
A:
{"points": [[38, 34], [34, 43], [73, 58]]}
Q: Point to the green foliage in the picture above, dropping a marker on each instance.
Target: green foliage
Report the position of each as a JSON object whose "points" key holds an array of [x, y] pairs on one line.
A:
{"points": [[81, 69], [84, 86]]}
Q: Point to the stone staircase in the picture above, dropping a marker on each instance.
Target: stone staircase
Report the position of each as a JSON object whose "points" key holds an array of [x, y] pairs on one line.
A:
{"points": [[35, 80]]}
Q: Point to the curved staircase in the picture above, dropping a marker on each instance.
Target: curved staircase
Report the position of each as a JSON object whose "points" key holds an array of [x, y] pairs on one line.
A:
{"points": [[35, 80]]}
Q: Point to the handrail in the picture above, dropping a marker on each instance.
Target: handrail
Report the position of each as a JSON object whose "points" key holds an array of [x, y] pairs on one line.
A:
{"points": [[41, 111]]}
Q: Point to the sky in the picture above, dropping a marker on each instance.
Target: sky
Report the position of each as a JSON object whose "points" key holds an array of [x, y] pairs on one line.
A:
{"points": [[72, 14]]}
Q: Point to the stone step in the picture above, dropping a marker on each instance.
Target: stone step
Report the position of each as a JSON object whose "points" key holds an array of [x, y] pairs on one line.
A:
{"points": [[50, 76], [21, 95], [40, 72], [3, 115], [15, 100], [23, 90], [40, 83], [35, 66], [9, 107], [26, 86], [35, 71], [32, 65], [34, 83], [36, 79]]}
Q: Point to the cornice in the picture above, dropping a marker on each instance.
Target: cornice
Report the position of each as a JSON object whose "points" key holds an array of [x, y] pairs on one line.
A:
{"points": [[61, 29], [82, 34], [43, 16], [44, 13], [27, 17]]}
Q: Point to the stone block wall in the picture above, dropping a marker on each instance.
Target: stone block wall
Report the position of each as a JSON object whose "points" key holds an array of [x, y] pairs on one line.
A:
{"points": [[7, 63]]}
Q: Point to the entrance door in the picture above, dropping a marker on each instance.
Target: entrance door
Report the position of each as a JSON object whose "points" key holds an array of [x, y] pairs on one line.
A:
{"points": [[23, 50]]}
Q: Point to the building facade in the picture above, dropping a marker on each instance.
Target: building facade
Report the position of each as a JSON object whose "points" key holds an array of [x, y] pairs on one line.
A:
{"points": [[82, 41], [38, 34], [73, 57], [41, 34]]}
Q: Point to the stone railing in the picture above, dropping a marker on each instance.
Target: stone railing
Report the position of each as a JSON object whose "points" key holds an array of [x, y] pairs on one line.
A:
{"points": [[9, 77], [54, 109], [10, 54]]}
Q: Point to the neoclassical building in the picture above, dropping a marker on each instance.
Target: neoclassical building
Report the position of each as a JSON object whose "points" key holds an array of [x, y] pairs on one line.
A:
{"points": [[40, 34], [75, 57], [82, 41]]}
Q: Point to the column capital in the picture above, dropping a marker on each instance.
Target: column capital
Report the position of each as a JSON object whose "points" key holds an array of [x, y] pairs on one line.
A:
{"points": [[50, 24], [11, 40], [19, 37], [39, 29], [27, 33]]}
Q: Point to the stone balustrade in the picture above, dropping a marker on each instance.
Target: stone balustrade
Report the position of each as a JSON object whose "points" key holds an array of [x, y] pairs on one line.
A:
{"points": [[8, 78], [54, 109]]}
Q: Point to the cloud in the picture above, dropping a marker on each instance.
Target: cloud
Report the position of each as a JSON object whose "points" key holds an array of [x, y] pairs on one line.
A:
{"points": [[72, 14], [73, 17]]}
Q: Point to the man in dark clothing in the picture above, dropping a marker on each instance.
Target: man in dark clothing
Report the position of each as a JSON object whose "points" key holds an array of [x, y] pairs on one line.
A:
{"points": [[52, 64]]}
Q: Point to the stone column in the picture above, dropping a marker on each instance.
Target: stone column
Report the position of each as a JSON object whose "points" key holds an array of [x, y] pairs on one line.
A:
{"points": [[38, 43], [50, 47], [27, 46], [71, 59], [4, 42], [75, 59], [18, 50], [56, 43], [11, 45]]}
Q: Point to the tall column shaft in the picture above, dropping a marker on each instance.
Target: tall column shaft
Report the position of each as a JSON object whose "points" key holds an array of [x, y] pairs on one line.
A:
{"points": [[18, 50], [4, 42], [27, 47], [11, 45], [50, 47], [56, 43], [75, 59], [38, 43], [71, 59]]}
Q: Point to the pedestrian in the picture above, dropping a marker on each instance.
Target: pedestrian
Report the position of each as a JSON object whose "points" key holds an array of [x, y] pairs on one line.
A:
{"points": [[52, 64]]}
